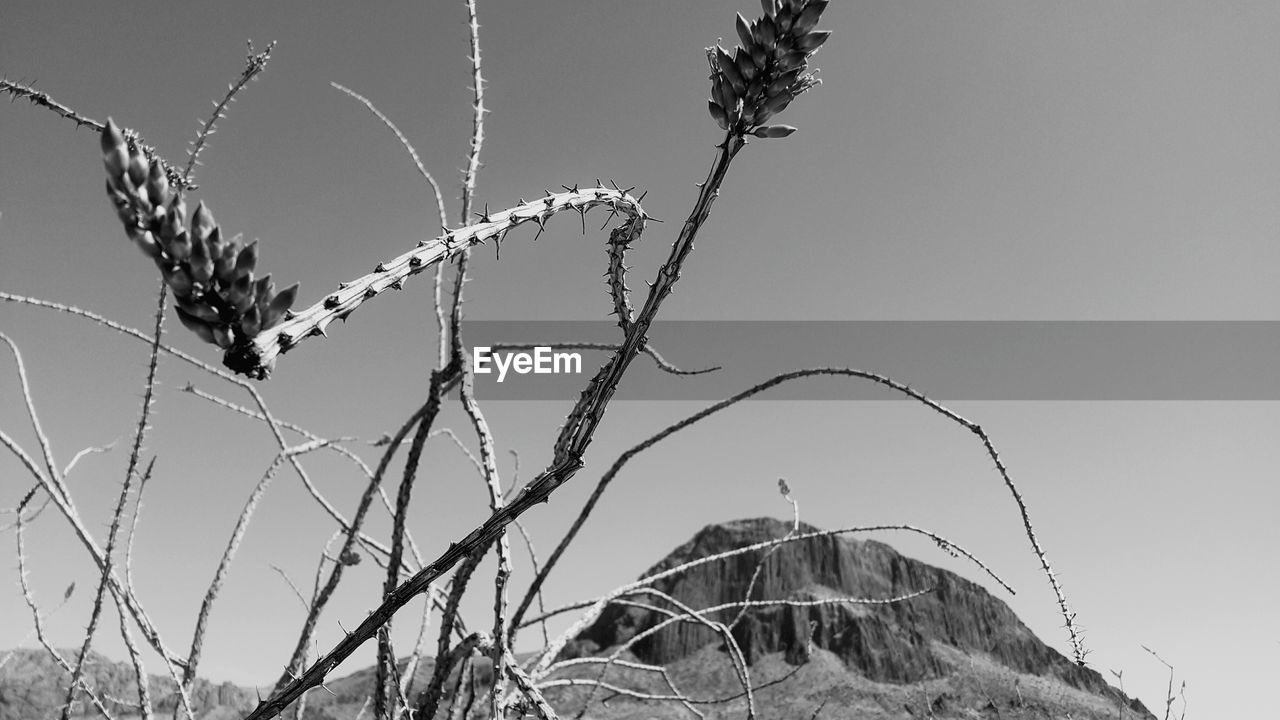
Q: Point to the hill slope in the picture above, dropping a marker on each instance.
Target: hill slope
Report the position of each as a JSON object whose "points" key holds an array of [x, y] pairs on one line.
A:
{"points": [[955, 652]]}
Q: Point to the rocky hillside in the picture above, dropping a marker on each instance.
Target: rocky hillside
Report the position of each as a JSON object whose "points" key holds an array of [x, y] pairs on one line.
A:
{"points": [[33, 687], [959, 629], [956, 652]]}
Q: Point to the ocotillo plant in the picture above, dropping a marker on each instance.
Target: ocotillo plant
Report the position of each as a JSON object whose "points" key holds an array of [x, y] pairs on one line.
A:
{"points": [[220, 296], [212, 277]]}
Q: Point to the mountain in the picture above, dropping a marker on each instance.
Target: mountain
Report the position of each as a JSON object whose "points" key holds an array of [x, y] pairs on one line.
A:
{"points": [[954, 652], [33, 687]]}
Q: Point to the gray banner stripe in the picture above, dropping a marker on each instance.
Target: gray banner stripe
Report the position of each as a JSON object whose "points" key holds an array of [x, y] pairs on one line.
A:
{"points": [[948, 360]]}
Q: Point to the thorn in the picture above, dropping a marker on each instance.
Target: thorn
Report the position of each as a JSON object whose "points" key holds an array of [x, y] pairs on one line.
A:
{"points": [[331, 302], [415, 261], [344, 285], [642, 196], [381, 268], [317, 330], [398, 284]]}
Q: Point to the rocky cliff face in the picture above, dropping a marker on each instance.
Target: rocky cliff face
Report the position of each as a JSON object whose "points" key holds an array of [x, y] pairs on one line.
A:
{"points": [[899, 643]]}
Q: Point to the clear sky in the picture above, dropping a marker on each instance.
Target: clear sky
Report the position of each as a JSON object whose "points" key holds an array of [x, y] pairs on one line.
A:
{"points": [[960, 161]]}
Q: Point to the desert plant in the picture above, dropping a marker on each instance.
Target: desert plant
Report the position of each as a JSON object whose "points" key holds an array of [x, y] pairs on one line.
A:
{"points": [[218, 295]]}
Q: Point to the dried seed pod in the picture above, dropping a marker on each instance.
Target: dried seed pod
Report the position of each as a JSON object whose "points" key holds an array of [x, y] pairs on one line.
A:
{"points": [[146, 242], [746, 67], [773, 131], [793, 59], [198, 309], [202, 222], [157, 185], [178, 247], [744, 30], [214, 243], [240, 295], [279, 305], [124, 210], [722, 92], [224, 266], [196, 325], [812, 41], [730, 70], [718, 114], [262, 288], [199, 261], [779, 102], [179, 281], [808, 17], [116, 161], [783, 82], [765, 32], [251, 322], [783, 18], [137, 169], [222, 336], [111, 137], [247, 260]]}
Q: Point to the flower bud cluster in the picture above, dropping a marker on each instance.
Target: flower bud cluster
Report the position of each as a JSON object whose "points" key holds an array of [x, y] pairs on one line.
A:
{"points": [[767, 70], [211, 277]]}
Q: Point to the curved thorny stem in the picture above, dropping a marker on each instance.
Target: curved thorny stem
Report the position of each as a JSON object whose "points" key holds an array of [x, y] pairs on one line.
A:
{"points": [[256, 357]]}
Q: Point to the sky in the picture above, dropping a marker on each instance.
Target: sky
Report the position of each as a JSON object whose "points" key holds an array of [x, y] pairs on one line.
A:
{"points": [[965, 161]]}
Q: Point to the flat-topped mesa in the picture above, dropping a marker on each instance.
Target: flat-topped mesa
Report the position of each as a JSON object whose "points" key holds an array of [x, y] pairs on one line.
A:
{"points": [[256, 356]]}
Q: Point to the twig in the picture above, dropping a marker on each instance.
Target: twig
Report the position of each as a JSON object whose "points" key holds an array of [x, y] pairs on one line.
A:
{"points": [[42, 99], [254, 64], [384, 698], [408, 146], [134, 453], [503, 572], [103, 585], [301, 598], [126, 634], [39, 625], [233, 544], [525, 684]]}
